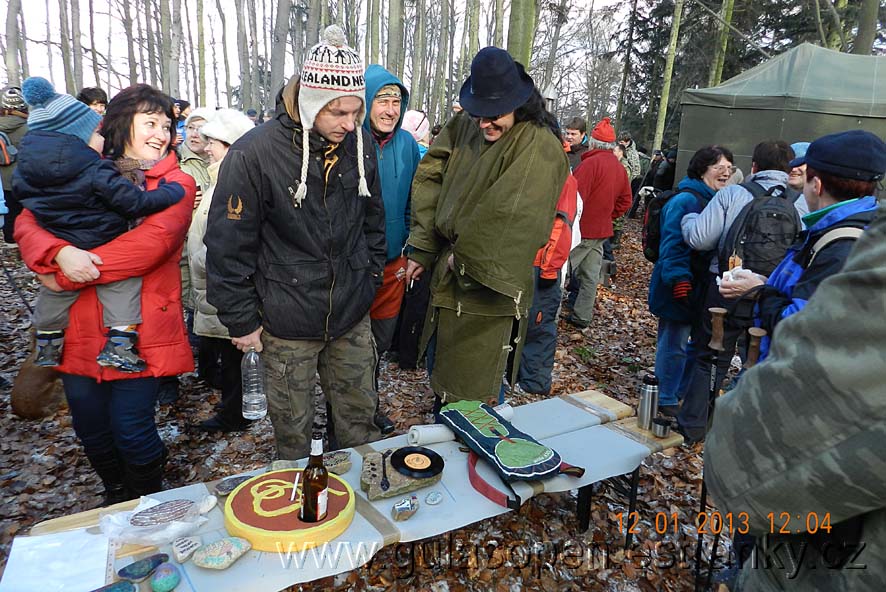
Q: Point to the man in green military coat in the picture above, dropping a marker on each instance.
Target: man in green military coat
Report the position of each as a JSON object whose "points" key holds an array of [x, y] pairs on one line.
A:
{"points": [[484, 199]]}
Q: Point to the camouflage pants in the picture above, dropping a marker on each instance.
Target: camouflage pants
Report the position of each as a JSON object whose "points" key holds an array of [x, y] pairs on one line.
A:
{"points": [[346, 366]]}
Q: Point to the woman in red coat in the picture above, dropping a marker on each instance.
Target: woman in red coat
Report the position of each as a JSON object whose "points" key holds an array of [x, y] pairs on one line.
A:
{"points": [[113, 412]]}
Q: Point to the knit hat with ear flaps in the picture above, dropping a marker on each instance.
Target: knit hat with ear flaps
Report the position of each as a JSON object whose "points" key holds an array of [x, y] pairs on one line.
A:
{"points": [[11, 98], [332, 70], [54, 112]]}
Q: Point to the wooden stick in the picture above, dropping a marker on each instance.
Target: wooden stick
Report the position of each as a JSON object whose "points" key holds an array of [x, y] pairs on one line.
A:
{"points": [[718, 315], [756, 334]]}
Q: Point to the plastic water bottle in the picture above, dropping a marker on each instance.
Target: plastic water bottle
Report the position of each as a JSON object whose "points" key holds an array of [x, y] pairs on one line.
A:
{"points": [[255, 402]]}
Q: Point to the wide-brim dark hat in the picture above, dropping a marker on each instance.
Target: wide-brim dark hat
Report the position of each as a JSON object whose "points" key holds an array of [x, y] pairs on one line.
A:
{"points": [[497, 84], [855, 154]]}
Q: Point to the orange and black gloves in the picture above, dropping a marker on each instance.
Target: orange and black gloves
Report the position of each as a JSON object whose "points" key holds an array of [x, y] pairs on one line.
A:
{"points": [[681, 291]]}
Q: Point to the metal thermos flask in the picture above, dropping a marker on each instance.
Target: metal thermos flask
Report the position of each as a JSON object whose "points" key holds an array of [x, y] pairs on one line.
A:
{"points": [[648, 402]]}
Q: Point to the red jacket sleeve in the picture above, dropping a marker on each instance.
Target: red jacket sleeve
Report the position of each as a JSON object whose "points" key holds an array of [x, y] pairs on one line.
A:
{"points": [[624, 199], [553, 255], [132, 254]]}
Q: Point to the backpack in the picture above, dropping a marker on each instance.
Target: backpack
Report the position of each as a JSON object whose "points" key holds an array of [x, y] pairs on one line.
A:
{"points": [[652, 220], [763, 231], [8, 152]]}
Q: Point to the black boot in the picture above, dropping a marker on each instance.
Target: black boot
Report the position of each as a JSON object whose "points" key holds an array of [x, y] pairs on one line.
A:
{"points": [[110, 471], [147, 478]]}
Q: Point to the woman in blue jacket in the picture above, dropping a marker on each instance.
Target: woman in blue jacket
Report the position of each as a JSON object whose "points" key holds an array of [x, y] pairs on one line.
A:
{"points": [[676, 271]]}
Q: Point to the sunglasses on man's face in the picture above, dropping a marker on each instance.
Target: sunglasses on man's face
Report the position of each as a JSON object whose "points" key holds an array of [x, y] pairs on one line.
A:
{"points": [[492, 119]]}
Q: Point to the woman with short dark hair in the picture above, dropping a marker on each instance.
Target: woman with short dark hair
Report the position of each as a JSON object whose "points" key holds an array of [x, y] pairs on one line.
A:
{"points": [[113, 412], [678, 271]]}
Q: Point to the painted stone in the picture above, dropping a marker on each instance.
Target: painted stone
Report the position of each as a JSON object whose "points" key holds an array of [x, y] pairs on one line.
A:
{"points": [[207, 503], [337, 461], [162, 513], [226, 486], [372, 474], [433, 498], [222, 553], [405, 508], [123, 586], [184, 547], [166, 578], [141, 569]]}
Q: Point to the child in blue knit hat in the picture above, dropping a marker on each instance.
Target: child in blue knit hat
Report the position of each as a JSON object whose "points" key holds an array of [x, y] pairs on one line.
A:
{"points": [[74, 194]]}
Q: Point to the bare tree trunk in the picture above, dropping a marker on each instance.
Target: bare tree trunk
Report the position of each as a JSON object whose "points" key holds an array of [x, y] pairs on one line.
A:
{"points": [[324, 14], [141, 44], [722, 44], [375, 17], [78, 47], [298, 41], [560, 16], [198, 99], [278, 49], [521, 28], [313, 25], [165, 46], [175, 48], [110, 46], [395, 56], [498, 38], [151, 40], [255, 69], [353, 18], [627, 68], [243, 55], [130, 40], [49, 52], [215, 74], [419, 57], [70, 85], [669, 69], [201, 55], [474, 30], [442, 75], [836, 36], [867, 28], [95, 71], [221, 15], [450, 27], [23, 47]]}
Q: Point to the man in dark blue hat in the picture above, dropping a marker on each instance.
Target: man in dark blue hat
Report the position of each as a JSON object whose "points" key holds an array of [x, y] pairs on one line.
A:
{"points": [[796, 449], [841, 175], [483, 203]]}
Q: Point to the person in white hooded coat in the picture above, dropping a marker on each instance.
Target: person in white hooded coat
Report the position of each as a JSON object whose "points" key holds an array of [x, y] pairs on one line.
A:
{"points": [[225, 128]]}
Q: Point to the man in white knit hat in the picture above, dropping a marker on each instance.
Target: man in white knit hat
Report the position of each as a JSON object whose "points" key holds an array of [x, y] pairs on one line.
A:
{"points": [[296, 248]]}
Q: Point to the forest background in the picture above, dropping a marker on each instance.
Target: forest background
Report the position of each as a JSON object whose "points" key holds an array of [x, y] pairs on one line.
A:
{"points": [[592, 57]]}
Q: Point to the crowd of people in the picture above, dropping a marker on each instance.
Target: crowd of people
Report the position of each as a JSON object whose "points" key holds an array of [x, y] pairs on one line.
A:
{"points": [[344, 227]]}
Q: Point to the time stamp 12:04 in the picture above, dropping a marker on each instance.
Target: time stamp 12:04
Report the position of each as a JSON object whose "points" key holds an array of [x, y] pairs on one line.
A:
{"points": [[730, 523]]}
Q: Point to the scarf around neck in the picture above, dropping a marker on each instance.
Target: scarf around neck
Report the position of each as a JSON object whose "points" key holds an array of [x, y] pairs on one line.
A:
{"points": [[134, 169]]}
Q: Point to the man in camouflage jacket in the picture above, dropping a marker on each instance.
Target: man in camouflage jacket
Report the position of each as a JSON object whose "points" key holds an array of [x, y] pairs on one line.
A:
{"points": [[799, 444]]}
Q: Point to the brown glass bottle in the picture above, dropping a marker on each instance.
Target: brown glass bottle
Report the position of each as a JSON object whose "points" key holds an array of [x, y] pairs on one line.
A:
{"points": [[315, 482]]}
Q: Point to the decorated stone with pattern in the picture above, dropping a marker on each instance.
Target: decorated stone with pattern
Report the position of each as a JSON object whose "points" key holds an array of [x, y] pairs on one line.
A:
{"points": [[184, 547], [226, 486], [206, 504], [141, 569], [222, 553], [162, 513], [123, 586], [166, 578]]}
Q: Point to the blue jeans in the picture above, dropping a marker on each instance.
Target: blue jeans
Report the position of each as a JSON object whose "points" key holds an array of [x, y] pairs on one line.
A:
{"points": [[674, 361], [115, 415]]}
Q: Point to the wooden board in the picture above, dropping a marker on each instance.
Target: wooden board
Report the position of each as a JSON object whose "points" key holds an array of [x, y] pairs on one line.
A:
{"points": [[629, 428], [597, 400]]}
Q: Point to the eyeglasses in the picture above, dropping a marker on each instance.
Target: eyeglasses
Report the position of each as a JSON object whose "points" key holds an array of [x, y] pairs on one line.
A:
{"points": [[194, 128], [492, 119], [722, 168]]}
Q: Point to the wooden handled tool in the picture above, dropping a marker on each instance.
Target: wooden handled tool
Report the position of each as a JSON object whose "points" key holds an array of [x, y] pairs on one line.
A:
{"points": [[718, 315], [756, 334]]}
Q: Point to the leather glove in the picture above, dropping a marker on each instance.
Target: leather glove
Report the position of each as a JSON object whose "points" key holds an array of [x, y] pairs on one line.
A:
{"points": [[681, 291]]}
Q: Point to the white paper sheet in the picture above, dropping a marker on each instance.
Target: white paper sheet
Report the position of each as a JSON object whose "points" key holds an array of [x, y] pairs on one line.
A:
{"points": [[72, 561]]}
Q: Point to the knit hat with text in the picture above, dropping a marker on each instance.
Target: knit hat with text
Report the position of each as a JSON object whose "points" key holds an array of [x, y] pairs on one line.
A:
{"points": [[604, 131], [332, 70], [54, 112]]}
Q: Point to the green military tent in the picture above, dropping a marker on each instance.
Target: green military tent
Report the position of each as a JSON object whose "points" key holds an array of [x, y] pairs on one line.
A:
{"points": [[799, 95]]}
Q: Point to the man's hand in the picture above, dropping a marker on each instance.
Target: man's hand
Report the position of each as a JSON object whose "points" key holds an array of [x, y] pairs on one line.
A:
{"points": [[249, 341], [78, 265], [732, 289], [197, 197], [414, 270], [48, 281]]}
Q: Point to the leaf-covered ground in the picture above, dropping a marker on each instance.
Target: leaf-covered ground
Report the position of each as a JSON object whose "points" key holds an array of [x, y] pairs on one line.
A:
{"points": [[43, 473]]}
